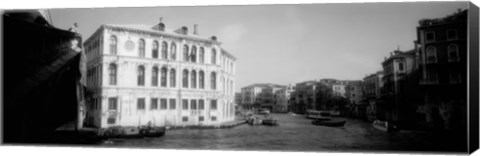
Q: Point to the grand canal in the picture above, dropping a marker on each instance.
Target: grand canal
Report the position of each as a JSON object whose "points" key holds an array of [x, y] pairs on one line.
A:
{"points": [[294, 133]]}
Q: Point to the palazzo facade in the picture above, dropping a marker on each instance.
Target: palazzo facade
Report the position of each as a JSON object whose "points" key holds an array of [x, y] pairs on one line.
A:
{"points": [[142, 75]]}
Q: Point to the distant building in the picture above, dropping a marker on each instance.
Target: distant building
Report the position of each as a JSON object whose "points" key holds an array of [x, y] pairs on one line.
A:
{"points": [[282, 99], [259, 95], [238, 99], [142, 75], [267, 99], [304, 96], [372, 85], [397, 103], [337, 86], [354, 92], [442, 45], [354, 95]]}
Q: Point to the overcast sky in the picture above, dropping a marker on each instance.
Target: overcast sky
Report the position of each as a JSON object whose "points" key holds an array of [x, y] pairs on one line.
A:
{"points": [[285, 44]]}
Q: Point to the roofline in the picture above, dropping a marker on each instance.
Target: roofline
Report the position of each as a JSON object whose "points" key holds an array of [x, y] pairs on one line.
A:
{"points": [[179, 36], [94, 33], [228, 54], [263, 85]]}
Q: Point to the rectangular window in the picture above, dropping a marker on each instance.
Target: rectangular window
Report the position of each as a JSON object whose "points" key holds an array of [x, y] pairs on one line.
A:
{"points": [[184, 119], [172, 104], [430, 36], [111, 120], [154, 103], [193, 104], [451, 35], [201, 118], [185, 104], [455, 77], [213, 118], [432, 76], [400, 66], [163, 103], [201, 104], [112, 103], [213, 104], [141, 103]]}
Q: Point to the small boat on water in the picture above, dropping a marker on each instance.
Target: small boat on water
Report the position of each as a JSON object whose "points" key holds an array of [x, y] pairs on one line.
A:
{"points": [[318, 115], [330, 123], [264, 111], [153, 131], [254, 121], [270, 122], [131, 132], [334, 113], [383, 126]]}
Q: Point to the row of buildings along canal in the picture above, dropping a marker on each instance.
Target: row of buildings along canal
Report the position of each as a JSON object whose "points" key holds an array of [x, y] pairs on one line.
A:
{"points": [[149, 75], [421, 88]]}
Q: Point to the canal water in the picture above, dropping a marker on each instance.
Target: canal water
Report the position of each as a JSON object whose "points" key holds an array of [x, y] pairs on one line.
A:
{"points": [[294, 133]]}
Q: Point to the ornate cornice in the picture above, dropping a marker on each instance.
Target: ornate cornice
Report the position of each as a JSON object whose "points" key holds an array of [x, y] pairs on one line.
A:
{"points": [[163, 34]]}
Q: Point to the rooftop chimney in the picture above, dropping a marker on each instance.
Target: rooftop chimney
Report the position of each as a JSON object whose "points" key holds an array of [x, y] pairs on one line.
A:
{"points": [[161, 26], [214, 38], [195, 29], [185, 30]]}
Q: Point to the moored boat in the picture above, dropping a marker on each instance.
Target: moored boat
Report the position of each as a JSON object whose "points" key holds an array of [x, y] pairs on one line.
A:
{"points": [[318, 115], [270, 122], [255, 121], [264, 111], [383, 126], [330, 123], [131, 132], [334, 113]]}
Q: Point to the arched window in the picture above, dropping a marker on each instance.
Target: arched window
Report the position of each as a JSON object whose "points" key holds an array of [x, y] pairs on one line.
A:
{"points": [[185, 53], [155, 76], [214, 56], [453, 53], [141, 48], [112, 74], [172, 77], [163, 81], [201, 79], [201, 56], [431, 55], [141, 76], [185, 79], [193, 55], [213, 83], [173, 51], [155, 49], [164, 50], [113, 44], [193, 82]]}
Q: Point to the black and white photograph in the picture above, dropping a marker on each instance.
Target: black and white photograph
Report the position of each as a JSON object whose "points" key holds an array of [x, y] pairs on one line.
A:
{"points": [[371, 77]]}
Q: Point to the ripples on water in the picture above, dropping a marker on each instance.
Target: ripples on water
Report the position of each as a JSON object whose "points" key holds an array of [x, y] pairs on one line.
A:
{"points": [[294, 133]]}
